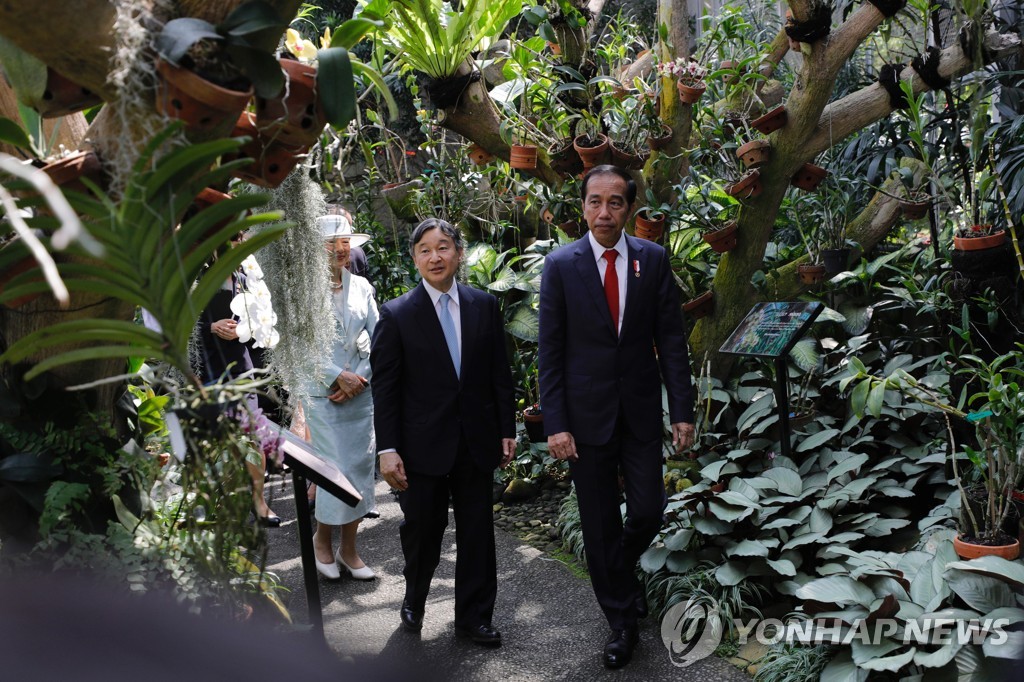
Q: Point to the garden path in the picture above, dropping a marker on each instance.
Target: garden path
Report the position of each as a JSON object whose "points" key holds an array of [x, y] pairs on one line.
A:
{"points": [[549, 620]]}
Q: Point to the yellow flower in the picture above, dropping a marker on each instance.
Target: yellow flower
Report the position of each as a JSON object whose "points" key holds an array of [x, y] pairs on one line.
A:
{"points": [[325, 39], [303, 49]]}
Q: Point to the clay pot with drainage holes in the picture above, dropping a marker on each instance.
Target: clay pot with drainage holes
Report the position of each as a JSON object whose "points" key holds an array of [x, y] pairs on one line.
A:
{"points": [[63, 96], [296, 117], [272, 160], [808, 177], [523, 156], [201, 104], [755, 153], [747, 187]]}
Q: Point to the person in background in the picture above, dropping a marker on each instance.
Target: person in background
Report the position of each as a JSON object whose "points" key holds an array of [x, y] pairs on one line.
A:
{"points": [[611, 331], [225, 357], [339, 408], [444, 416]]}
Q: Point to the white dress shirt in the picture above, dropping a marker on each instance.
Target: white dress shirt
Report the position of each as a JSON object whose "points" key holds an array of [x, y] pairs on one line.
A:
{"points": [[620, 269]]}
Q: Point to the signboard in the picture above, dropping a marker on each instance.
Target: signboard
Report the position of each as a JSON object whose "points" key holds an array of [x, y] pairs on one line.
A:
{"points": [[770, 330]]}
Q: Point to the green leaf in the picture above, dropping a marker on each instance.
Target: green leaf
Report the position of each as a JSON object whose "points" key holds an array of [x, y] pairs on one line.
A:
{"points": [[848, 465], [335, 85], [978, 591], [352, 31], [783, 567], [890, 663], [994, 567], [731, 573], [789, 482], [679, 540], [28, 468], [838, 590], [818, 439], [653, 560], [876, 399], [805, 354], [728, 513], [14, 135], [525, 324], [843, 669], [747, 548], [859, 397]]}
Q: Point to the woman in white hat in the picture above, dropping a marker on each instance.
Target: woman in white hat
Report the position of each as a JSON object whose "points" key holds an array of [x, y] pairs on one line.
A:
{"points": [[339, 408]]}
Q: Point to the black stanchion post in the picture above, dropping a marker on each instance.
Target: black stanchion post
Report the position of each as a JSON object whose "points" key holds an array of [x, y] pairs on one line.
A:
{"points": [[782, 400], [309, 577]]}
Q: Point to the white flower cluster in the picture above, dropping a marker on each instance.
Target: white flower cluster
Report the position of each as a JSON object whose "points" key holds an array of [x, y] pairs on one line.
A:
{"points": [[682, 68], [256, 316]]}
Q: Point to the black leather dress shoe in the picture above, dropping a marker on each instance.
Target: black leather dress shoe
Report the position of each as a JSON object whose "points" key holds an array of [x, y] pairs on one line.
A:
{"points": [[619, 649], [484, 635], [412, 619], [641, 606], [272, 520]]}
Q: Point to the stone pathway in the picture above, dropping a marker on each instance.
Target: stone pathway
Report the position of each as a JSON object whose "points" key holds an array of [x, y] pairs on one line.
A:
{"points": [[550, 622]]}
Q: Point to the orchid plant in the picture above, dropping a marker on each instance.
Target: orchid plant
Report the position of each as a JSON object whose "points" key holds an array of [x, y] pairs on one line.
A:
{"points": [[252, 305], [684, 69]]}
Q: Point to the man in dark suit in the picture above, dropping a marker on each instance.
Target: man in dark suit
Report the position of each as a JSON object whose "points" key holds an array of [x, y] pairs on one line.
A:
{"points": [[610, 319], [444, 419]]}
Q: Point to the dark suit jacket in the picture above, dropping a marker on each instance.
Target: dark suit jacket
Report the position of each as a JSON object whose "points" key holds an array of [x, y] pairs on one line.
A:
{"points": [[221, 355], [587, 372], [420, 406]]}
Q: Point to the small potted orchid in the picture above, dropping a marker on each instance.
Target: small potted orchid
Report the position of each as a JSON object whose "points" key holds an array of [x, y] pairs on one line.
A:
{"points": [[689, 75]]}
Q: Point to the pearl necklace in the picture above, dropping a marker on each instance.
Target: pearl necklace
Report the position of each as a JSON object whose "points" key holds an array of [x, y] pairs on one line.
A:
{"points": [[336, 287]]}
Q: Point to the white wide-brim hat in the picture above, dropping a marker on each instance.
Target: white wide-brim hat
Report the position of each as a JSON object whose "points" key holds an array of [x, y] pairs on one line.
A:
{"points": [[335, 226]]}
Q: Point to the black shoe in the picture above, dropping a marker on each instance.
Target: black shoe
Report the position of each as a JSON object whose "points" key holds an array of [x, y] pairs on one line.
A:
{"points": [[484, 635], [371, 515], [619, 649], [641, 606], [271, 520], [412, 619]]}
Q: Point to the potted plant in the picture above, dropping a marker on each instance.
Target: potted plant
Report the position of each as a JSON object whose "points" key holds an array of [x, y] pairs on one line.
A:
{"points": [[628, 130], [701, 306], [997, 454], [209, 72], [978, 237], [689, 77], [836, 204], [710, 209], [808, 177], [649, 223]]}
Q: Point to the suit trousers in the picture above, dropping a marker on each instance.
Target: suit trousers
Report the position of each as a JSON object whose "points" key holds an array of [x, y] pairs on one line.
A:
{"points": [[612, 547], [425, 507]]}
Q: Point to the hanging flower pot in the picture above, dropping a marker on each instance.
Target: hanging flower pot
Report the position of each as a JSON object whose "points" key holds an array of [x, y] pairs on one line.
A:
{"points": [[478, 155], [662, 139], [755, 153], [62, 96], [533, 420], [690, 91], [563, 158], [201, 104], [627, 160], [808, 177], [523, 156], [914, 209], [811, 273], [747, 187], [67, 173], [296, 117], [272, 162], [556, 49], [571, 228], [979, 243], [724, 238], [591, 150], [730, 64], [649, 225], [969, 550], [701, 306], [772, 121], [835, 260], [735, 123]]}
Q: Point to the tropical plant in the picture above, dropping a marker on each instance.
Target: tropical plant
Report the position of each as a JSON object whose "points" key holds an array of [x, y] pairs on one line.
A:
{"points": [[140, 246]]}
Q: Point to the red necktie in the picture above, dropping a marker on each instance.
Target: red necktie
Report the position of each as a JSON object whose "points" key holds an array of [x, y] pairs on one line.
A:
{"points": [[611, 287]]}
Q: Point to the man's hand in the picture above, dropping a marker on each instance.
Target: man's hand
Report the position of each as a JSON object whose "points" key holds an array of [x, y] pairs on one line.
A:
{"points": [[393, 471], [682, 437], [225, 329], [347, 386], [508, 450], [563, 446]]}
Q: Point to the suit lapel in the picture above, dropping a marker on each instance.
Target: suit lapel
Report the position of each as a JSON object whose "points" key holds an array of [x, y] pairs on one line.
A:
{"points": [[583, 260], [426, 318]]}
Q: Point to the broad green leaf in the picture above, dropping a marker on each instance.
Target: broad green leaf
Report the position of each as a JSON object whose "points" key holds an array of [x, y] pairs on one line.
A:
{"points": [[847, 465], [816, 440], [979, 591], [993, 567], [653, 559], [13, 134], [876, 399], [788, 481], [336, 86], [890, 663], [731, 573], [783, 567], [747, 548], [838, 590]]}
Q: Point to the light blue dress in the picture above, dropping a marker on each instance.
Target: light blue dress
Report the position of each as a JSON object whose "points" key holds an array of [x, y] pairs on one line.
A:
{"points": [[343, 432]]}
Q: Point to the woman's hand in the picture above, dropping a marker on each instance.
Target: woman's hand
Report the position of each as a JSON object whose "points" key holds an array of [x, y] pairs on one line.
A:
{"points": [[347, 386], [225, 329]]}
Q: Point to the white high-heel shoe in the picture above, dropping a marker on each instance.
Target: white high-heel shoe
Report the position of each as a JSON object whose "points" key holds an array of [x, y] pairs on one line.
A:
{"points": [[364, 573], [329, 571]]}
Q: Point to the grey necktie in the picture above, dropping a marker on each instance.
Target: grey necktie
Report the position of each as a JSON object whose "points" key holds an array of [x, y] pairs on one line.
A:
{"points": [[448, 327]]}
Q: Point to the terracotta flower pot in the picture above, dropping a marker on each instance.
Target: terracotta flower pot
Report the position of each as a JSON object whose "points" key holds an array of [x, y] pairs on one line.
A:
{"points": [[210, 197], [690, 92], [811, 273], [979, 243], [571, 228], [272, 162], [67, 173], [747, 187], [297, 116], [730, 64], [647, 226], [659, 142], [627, 160], [202, 105], [564, 159], [914, 210], [523, 156], [593, 155], [967, 550], [701, 306], [724, 238], [533, 419], [772, 121], [62, 96], [755, 153], [808, 177], [556, 49], [478, 155]]}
